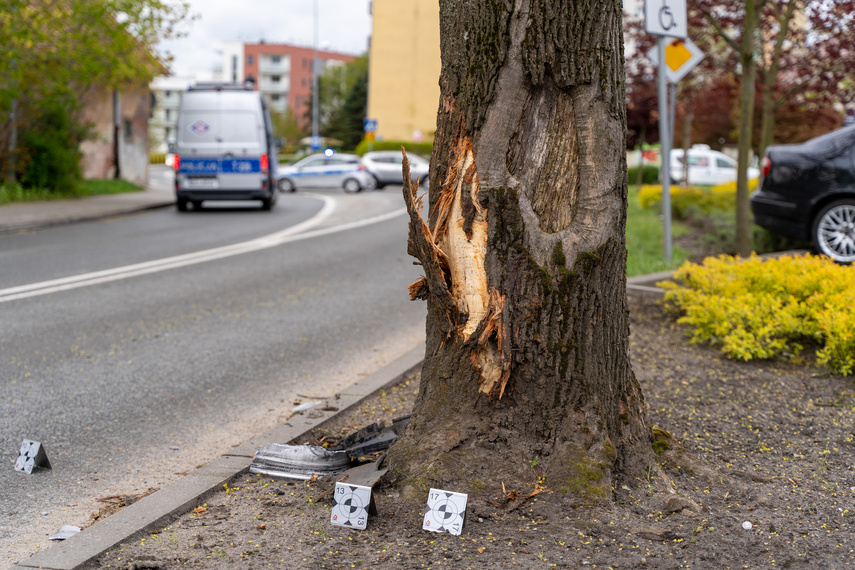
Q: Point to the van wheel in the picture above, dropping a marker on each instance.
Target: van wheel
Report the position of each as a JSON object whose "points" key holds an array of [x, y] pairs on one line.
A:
{"points": [[351, 185], [181, 204], [197, 204], [267, 204], [286, 185]]}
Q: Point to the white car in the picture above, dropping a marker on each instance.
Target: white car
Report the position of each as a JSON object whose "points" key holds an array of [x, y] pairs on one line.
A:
{"points": [[325, 171], [706, 167], [385, 166]]}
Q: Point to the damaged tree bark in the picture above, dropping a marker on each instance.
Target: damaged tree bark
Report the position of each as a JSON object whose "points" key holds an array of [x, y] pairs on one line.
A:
{"points": [[524, 256]]}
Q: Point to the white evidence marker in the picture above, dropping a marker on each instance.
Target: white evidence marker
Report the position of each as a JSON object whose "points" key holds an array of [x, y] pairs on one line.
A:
{"points": [[350, 505], [445, 511], [32, 455]]}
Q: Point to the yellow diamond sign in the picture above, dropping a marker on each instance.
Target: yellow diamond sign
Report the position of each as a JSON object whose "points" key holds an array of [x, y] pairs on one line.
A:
{"points": [[681, 57], [676, 55]]}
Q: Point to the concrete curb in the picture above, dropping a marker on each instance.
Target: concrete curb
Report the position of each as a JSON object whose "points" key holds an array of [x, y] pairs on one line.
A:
{"points": [[644, 286], [8, 227], [167, 504]]}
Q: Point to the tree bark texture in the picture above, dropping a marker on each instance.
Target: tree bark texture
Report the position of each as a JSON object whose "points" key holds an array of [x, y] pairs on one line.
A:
{"points": [[526, 369]]}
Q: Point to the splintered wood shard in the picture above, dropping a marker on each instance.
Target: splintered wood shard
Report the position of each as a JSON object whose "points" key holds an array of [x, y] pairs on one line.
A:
{"points": [[453, 254]]}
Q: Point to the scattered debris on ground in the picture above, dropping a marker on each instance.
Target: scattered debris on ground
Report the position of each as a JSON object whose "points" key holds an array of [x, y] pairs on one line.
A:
{"points": [[773, 445]]}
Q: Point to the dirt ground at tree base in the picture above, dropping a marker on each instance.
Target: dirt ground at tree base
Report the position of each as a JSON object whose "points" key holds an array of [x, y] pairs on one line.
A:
{"points": [[775, 443]]}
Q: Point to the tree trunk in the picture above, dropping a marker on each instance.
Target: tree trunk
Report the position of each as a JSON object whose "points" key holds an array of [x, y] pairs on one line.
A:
{"points": [[746, 120], [524, 257], [770, 77]]}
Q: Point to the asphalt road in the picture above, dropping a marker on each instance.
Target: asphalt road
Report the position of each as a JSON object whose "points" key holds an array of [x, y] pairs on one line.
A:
{"points": [[131, 380]]}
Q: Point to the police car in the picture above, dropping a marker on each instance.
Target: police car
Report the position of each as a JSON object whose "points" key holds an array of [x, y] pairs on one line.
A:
{"points": [[326, 170]]}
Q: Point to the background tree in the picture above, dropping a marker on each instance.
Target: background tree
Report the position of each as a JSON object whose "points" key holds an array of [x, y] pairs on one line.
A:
{"points": [[346, 122], [54, 51], [288, 128], [800, 50], [343, 100], [524, 256]]}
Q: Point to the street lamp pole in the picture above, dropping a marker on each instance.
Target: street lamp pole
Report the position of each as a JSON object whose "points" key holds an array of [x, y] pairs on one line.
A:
{"points": [[315, 98]]}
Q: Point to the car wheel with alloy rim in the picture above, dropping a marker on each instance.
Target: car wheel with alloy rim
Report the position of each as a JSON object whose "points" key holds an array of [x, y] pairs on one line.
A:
{"points": [[834, 231]]}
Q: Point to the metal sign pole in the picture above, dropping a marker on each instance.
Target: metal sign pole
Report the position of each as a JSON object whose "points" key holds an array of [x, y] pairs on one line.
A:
{"points": [[665, 153]]}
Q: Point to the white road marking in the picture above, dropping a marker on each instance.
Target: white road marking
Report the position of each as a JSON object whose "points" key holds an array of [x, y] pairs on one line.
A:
{"points": [[272, 240]]}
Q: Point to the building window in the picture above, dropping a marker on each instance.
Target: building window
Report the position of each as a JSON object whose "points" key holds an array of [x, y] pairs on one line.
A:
{"points": [[234, 69], [304, 82], [275, 59], [249, 60], [129, 130], [276, 98], [275, 78], [167, 94], [169, 114]]}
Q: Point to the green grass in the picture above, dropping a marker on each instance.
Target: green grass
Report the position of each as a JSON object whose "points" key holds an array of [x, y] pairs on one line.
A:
{"points": [[645, 242], [16, 193]]}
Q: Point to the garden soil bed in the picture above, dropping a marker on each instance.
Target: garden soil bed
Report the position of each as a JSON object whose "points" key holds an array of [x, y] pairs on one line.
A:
{"points": [[773, 486]]}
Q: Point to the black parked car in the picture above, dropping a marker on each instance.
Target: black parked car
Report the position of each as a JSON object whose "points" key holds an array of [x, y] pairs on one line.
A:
{"points": [[808, 193]]}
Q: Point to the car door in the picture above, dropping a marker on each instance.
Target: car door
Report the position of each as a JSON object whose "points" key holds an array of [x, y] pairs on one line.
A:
{"points": [[725, 170], [311, 173], [389, 168], [336, 171]]}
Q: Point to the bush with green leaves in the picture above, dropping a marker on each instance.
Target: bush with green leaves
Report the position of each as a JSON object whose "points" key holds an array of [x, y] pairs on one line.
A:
{"points": [[423, 149], [686, 200], [649, 174], [50, 153], [756, 309]]}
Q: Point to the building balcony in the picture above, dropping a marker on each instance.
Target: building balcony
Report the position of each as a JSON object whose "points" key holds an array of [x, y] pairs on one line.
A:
{"points": [[267, 85], [268, 65]]}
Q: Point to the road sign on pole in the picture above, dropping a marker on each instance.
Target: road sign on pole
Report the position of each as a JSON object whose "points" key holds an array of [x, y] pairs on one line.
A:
{"points": [[369, 125], [666, 18], [681, 57]]}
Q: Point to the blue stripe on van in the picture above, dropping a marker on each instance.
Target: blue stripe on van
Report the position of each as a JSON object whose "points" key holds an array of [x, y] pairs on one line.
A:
{"points": [[216, 166]]}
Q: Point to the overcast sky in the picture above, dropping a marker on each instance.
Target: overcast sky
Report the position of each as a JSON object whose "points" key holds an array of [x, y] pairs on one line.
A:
{"points": [[343, 25]]}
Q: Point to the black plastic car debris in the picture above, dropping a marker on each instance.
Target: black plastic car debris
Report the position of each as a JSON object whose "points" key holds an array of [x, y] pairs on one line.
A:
{"points": [[372, 439]]}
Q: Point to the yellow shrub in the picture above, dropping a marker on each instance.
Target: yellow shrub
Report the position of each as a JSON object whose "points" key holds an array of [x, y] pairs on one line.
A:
{"points": [[718, 198], [767, 309], [156, 158], [730, 187]]}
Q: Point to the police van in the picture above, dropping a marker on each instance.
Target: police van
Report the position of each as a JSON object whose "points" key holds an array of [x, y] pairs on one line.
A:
{"points": [[224, 147]]}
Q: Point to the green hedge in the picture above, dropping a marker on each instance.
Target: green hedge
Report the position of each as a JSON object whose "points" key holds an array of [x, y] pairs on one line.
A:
{"points": [[422, 148], [649, 174]]}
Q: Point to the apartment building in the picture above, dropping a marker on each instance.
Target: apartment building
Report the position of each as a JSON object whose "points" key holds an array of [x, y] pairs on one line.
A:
{"points": [[281, 72], [166, 95], [403, 69]]}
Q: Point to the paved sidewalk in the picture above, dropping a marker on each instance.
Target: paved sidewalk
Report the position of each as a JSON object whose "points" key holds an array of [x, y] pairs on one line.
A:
{"points": [[23, 216]]}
